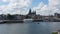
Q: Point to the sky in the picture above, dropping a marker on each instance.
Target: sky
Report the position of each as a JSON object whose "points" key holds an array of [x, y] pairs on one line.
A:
{"points": [[42, 7]]}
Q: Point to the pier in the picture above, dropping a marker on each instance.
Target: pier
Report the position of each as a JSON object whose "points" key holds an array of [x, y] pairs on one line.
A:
{"points": [[11, 21]]}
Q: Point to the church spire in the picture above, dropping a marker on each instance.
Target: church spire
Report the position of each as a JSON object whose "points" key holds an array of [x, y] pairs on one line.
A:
{"points": [[29, 11]]}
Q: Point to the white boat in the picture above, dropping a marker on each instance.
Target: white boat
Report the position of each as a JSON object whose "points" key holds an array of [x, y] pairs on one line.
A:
{"points": [[28, 20]]}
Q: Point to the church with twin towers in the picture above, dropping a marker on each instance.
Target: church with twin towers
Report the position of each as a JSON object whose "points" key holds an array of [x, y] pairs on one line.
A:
{"points": [[32, 12]]}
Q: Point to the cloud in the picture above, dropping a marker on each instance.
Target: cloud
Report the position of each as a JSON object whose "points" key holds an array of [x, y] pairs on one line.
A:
{"points": [[4, 0], [14, 6], [52, 7], [20, 7], [41, 8]]}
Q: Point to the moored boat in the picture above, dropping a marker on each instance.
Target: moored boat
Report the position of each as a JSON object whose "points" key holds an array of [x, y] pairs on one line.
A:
{"points": [[28, 20]]}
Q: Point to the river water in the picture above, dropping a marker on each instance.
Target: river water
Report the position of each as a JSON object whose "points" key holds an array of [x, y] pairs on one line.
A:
{"points": [[30, 28]]}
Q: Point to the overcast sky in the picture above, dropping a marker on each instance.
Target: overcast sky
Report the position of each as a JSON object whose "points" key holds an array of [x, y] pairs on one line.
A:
{"points": [[43, 7]]}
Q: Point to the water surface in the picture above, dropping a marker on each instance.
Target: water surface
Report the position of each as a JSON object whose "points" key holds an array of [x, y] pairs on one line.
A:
{"points": [[30, 28]]}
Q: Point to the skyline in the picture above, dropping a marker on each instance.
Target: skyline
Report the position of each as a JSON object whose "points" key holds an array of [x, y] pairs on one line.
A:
{"points": [[43, 7]]}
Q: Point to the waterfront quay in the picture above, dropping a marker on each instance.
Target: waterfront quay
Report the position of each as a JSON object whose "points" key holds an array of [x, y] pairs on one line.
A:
{"points": [[11, 21]]}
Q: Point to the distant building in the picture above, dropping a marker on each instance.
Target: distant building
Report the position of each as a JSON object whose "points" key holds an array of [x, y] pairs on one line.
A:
{"points": [[18, 17], [57, 15], [2, 17], [32, 13], [58, 31], [47, 18]]}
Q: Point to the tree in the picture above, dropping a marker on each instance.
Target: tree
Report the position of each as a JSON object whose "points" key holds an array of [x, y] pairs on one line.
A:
{"points": [[54, 32], [10, 17]]}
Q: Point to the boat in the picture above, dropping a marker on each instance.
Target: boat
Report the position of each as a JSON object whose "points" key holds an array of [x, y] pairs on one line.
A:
{"points": [[37, 20], [28, 20]]}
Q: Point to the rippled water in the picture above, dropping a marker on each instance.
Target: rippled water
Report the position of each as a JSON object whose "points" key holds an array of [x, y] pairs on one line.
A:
{"points": [[30, 28]]}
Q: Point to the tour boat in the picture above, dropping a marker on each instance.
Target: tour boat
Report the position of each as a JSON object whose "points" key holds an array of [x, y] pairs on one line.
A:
{"points": [[28, 20]]}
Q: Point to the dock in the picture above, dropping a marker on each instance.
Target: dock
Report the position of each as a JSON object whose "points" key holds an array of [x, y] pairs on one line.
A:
{"points": [[11, 21]]}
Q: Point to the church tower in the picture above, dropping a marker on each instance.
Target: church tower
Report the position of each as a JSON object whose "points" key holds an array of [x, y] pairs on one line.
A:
{"points": [[29, 11]]}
